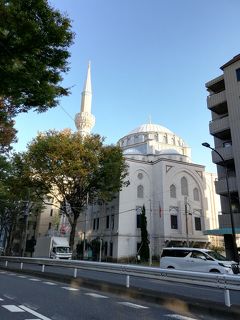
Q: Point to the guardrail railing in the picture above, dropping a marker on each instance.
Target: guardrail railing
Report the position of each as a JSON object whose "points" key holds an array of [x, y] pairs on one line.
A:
{"points": [[216, 280]]}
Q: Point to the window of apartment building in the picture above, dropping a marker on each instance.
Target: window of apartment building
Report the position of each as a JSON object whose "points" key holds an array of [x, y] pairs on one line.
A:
{"points": [[49, 226], [172, 191], [198, 226], [94, 224], [107, 221], [51, 212], [97, 223], [140, 191], [195, 194], [174, 222], [238, 74], [227, 144], [184, 186]]}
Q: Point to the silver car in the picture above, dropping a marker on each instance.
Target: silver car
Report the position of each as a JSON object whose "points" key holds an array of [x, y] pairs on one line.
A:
{"points": [[199, 260]]}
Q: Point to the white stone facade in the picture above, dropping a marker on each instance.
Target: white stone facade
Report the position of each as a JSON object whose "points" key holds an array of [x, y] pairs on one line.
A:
{"points": [[179, 197]]}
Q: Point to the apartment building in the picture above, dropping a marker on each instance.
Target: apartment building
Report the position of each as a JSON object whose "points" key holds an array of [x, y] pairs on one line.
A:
{"points": [[224, 103]]}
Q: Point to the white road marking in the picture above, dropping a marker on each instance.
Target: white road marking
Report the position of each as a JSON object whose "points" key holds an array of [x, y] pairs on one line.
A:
{"points": [[22, 277], [132, 305], [179, 317], [40, 316], [12, 274], [33, 279], [33, 319], [95, 295], [12, 308], [9, 297], [70, 289], [1, 299], [50, 283]]}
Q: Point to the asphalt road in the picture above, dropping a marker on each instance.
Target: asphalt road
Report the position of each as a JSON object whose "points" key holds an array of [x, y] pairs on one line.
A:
{"points": [[23, 297], [199, 293]]}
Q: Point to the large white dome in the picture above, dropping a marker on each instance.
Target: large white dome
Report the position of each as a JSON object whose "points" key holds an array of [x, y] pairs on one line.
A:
{"points": [[156, 140], [150, 127]]}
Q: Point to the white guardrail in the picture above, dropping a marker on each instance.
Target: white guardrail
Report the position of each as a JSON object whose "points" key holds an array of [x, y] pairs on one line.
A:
{"points": [[216, 280]]}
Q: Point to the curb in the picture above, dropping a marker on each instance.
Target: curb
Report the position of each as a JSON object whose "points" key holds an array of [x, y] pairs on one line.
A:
{"points": [[173, 302]]}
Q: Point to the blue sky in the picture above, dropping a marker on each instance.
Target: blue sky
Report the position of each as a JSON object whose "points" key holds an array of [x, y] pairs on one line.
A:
{"points": [[148, 57]]}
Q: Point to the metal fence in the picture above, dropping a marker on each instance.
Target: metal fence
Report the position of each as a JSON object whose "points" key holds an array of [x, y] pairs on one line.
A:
{"points": [[216, 280]]}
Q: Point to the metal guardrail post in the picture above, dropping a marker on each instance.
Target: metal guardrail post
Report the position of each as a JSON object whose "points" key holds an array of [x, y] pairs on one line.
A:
{"points": [[75, 273], [6, 263], [43, 267], [21, 265], [227, 298], [128, 281]]}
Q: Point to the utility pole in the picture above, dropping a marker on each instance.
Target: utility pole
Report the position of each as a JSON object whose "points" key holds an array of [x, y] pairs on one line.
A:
{"points": [[24, 234], [85, 227], [100, 250], [150, 237], [186, 213]]}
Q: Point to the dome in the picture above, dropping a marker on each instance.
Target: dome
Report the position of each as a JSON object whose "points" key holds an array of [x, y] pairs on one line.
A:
{"points": [[154, 139], [150, 127]]}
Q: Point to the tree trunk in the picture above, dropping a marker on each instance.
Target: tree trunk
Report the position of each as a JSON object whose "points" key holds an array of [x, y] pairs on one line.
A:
{"points": [[72, 233]]}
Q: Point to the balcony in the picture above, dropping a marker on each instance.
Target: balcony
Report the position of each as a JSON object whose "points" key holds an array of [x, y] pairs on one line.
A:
{"points": [[218, 102], [216, 85], [225, 152], [221, 185], [220, 128], [225, 220]]}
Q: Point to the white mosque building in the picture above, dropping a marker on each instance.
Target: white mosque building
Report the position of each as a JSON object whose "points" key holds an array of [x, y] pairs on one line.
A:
{"points": [[179, 196]]}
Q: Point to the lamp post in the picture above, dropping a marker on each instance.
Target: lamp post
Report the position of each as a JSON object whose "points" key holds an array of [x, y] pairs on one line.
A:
{"points": [[235, 252], [186, 213]]}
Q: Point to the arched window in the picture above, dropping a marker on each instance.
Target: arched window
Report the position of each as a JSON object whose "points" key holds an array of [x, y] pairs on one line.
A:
{"points": [[140, 191], [184, 186], [196, 194], [172, 191]]}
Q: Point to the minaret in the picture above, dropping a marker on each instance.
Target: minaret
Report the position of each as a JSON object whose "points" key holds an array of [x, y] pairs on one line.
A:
{"points": [[84, 120]]}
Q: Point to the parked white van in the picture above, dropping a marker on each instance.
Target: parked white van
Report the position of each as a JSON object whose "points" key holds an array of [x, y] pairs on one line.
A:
{"points": [[194, 259]]}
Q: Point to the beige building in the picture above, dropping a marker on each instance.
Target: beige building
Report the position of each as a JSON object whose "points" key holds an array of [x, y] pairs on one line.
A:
{"points": [[224, 103]]}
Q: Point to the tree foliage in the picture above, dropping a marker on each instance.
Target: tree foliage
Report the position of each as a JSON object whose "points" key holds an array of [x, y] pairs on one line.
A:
{"points": [[76, 170], [34, 42], [17, 199]]}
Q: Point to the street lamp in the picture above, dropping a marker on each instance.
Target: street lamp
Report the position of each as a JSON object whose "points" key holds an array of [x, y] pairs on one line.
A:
{"points": [[235, 252], [187, 213]]}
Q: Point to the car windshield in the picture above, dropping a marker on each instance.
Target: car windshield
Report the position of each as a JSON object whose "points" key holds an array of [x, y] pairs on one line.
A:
{"points": [[63, 249], [216, 255]]}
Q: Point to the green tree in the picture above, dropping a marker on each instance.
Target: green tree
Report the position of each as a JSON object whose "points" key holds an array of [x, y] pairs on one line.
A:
{"points": [[17, 199], [144, 250], [34, 42], [75, 170]]}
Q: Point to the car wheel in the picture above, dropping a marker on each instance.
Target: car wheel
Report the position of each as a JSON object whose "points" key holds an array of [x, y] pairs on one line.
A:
{"points": [[214, 271], [170, 267]]}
